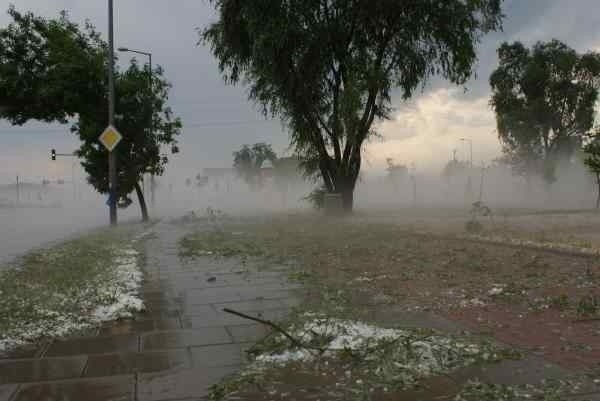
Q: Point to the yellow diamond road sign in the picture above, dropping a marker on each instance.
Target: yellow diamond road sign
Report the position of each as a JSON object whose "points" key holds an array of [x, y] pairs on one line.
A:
{"points": [[110, 138]]}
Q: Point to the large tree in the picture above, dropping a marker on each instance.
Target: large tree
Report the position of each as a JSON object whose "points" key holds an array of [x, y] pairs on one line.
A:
{"points": [[141, 150], [53, 70], [328, 68], [544, 101]]}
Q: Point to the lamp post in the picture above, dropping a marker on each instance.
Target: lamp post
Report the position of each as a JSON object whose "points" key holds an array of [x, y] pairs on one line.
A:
{"points": [[469, 187], [150, 122], [470, 150]]}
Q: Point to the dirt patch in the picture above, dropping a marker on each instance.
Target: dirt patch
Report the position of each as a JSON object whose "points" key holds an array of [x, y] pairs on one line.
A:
{"points": [[571, 344]]}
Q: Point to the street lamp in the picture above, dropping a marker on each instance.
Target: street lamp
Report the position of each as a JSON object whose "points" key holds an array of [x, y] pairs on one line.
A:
{"points": [[150, 123], [471, 150]]}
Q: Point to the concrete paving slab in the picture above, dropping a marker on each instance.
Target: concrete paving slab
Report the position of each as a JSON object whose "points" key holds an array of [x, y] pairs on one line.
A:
{"points": [[31, 370], [93, 345], [25, 352], [233, 294], [139, 325], [116, 388], [256, 305], [7, 391], [249, 332], [132, 362], [219, 318], [217, 355], [185, 338]]}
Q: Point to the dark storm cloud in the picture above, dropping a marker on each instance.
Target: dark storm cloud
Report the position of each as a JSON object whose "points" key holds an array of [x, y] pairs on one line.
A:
{"points": [[218, 118]]}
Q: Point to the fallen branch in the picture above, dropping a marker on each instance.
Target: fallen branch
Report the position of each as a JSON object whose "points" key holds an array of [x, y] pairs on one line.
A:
{"points": [[275, 327]]}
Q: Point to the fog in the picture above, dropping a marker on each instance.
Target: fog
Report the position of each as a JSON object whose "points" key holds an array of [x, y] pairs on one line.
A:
{"points": [[574, 188], [218, 119], [44, 214]]}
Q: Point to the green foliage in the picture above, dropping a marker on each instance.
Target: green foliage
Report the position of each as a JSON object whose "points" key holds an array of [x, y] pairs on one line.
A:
{"points": [[317, 197], [140, 150], [53, 70], [588, 306], [48, 68], [544, 102], [478, 209], [219, 243], [328, 68], [248, 162], [560, 302]]}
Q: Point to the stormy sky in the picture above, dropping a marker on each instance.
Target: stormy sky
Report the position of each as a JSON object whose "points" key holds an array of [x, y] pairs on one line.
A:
{"points": [[218, 119]]}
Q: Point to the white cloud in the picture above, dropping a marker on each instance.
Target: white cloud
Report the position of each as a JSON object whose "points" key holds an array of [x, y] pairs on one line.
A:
{"points": [[427, 130]]}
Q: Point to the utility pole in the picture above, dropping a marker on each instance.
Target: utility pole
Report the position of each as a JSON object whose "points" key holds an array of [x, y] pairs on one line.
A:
{"points": [[413, 178], [483, 168], [18, 191], [112, 157], [469, 187], [150, 123]]}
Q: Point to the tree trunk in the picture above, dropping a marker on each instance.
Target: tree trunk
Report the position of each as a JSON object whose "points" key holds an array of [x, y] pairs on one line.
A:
{"points": [[598, 199], [348, 198], [142, 201]]}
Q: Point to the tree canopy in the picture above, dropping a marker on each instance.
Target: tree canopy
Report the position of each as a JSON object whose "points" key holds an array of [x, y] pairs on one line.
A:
{"points": [[544, 101], [140, 150], [48, 68], [54, 70], [327, 68], [249, 160]]}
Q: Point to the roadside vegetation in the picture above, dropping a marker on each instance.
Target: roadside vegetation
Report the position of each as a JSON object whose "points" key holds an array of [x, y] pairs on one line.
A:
{"points": [[69, 288]]}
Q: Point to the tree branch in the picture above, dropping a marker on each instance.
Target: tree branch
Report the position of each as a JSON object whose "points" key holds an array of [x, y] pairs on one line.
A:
{"points": [[275, 327]]}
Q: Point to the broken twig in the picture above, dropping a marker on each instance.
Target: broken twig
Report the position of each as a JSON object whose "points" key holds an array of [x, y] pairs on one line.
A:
{"points": [[275, 327]]}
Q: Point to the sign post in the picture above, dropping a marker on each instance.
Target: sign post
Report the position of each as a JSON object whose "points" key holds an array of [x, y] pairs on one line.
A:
{"points": [[112, 157], [110, 138]]}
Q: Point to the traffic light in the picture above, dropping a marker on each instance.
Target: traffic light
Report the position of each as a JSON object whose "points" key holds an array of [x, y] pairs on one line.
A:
{"points": [[53, 153]]}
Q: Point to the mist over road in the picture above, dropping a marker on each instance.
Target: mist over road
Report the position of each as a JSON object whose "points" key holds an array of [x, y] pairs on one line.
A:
{"points": [[26, 228]]}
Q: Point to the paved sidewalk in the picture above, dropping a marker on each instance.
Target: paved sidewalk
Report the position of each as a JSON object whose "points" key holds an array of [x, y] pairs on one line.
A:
{"points": [[181, 345], [184, 343]]}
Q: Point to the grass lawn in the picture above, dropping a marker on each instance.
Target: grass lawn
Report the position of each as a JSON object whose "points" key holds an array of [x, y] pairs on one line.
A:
{"points": [[70, 287], [357, 270]]}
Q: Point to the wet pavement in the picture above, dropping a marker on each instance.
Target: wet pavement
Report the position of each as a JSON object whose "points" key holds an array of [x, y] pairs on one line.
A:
{"points": [[184, 342], [175, 350]]}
